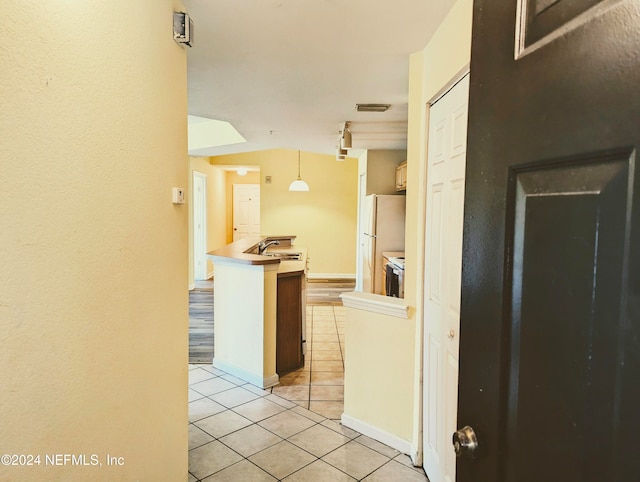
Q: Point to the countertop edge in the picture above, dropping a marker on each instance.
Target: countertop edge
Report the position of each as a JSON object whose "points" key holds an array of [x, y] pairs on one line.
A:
{"points": [[236, 253]]}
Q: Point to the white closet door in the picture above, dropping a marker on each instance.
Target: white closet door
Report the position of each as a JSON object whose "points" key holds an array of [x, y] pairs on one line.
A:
{"points": [[443, 265]]}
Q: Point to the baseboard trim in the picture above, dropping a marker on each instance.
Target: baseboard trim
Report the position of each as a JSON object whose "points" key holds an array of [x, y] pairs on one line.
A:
{"points": [[416, 456], [380, 435], [192, 286], [331, 276], [253, 379]]}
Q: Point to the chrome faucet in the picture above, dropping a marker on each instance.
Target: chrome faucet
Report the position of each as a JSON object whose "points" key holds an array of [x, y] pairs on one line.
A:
{"points": [[262, 247]]}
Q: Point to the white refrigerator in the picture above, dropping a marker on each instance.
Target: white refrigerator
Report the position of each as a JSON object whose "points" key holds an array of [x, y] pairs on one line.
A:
{"points": [[383, 219]]}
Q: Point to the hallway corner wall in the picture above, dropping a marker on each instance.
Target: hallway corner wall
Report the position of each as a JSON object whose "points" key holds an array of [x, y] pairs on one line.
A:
{"points": [[93, 298]]}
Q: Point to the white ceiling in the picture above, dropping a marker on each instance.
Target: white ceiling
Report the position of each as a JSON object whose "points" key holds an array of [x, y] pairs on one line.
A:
{"points": [[288, 73]]}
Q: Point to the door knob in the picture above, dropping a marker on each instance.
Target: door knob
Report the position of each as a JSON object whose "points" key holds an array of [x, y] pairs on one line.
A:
{"points": [[465, 442]]}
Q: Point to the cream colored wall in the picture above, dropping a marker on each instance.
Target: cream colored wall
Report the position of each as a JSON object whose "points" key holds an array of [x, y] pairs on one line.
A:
{"points": [[93, 298], [324, 219], [233, 178], [383, 341], [216, 209], [270, 310], [381, 170], [251, 319], [449, 50], [378, 371]]}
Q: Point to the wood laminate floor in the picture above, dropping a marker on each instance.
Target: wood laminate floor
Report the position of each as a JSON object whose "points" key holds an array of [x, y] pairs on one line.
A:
{"points": [[201, 323], [327, 292]]}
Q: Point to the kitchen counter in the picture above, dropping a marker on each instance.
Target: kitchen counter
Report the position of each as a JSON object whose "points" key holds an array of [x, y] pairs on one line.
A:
{"points": [[243, 252], [259, 309], [393, 254]]}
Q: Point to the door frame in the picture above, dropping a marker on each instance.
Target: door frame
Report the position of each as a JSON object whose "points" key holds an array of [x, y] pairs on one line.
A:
{"points": [[199, 214], [422, 260]]}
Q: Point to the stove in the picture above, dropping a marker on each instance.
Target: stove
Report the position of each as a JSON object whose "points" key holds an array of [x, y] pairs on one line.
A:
{"points": [[397, 261], [395, 277]]}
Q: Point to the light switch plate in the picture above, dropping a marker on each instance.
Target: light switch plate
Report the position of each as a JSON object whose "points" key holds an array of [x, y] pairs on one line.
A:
{"points": [[178, 195]]}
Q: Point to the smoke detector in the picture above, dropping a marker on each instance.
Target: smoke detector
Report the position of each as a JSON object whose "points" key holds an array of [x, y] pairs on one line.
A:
{"points": [[182, 28]]}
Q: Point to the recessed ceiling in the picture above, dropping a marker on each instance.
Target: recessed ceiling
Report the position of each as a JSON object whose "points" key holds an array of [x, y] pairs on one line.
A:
{"points": [[208, 133], [289, 73]]}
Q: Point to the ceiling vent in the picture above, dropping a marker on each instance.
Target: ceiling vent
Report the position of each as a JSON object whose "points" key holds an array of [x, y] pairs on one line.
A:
{"points": [[372, 107]]}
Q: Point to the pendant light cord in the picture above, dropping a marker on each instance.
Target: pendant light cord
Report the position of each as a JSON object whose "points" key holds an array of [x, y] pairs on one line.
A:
{"points": [[299, 184]]}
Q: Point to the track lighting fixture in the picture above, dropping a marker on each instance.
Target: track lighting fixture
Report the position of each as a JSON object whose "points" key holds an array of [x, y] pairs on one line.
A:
{"points": [[345, 137], [341, 154]]}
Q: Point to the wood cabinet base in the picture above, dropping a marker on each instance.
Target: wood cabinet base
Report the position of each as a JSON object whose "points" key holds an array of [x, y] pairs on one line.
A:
{"points": [[289, 354]]}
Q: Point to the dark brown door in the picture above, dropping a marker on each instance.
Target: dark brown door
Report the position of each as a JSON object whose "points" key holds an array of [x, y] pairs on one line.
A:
{"points": [[550, 314]]}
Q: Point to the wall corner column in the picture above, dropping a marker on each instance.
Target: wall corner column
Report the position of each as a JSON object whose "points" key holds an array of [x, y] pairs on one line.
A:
{"points": [[245, 301]]}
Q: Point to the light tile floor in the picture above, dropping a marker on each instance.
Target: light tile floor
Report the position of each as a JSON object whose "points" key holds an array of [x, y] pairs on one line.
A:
{"points": [[239, 432], [319, 385]]}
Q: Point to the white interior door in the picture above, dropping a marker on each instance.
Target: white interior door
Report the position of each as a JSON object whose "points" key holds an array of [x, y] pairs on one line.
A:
{"points": [[443, 265], [246, 210], [199, 226]]}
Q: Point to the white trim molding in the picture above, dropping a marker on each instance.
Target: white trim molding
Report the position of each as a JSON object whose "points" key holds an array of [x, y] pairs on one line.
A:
{"points": [[416, 456], [253, 379], [385, 305], [330, 276], [393, 441]]}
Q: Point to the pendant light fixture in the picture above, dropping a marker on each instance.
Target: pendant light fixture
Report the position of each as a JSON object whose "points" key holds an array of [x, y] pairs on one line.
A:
{"points": [[298, 184]]}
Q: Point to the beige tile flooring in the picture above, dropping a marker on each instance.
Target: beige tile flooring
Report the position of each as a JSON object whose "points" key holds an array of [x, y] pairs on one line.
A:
{"points": [[319, 385], [239, 432]]}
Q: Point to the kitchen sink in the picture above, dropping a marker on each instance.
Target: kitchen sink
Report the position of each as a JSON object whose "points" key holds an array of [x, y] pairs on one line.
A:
{"points": [[285, 256]]}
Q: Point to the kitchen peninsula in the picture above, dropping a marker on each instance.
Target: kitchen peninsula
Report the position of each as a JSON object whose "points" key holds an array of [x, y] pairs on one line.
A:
{"points": [[259, 309]]}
